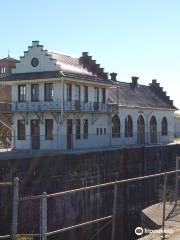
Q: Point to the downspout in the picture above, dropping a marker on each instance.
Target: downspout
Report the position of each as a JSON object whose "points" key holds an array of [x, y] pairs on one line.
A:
{"points": [[62, 103], [62, 108], [117, 100]]}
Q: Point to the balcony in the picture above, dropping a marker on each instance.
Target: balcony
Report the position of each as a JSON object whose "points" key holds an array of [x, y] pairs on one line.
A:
{"points": [[55, 106]]}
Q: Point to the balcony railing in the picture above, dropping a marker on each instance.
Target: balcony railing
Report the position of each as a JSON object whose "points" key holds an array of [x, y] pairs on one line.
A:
{"points": [[5, 107], [42, 106]]}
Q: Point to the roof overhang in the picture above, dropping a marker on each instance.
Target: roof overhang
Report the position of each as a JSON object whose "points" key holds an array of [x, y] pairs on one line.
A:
{"points": [[145, 108]]}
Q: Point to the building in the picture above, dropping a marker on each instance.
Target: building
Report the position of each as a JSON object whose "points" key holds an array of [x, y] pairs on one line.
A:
{"points": [[64, 102], [177, 125], [6, 65]]}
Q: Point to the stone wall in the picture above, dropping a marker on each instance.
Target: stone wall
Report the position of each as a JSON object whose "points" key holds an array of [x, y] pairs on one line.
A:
{"points": [[68, 171]]}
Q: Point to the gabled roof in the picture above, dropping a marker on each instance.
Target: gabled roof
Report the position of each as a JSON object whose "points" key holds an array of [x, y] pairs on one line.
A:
{"points": [[9, 59], [80, 67], [140, 96], [69, 64], [83, 67]]}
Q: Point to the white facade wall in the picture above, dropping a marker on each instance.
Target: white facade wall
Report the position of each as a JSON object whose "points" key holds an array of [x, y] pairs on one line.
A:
{"points": [[45, 61], [177, 127], [59, 141]]}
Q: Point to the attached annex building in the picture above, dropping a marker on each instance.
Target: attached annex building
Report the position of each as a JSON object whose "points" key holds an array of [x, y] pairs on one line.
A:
{"points": [[64, 102]]}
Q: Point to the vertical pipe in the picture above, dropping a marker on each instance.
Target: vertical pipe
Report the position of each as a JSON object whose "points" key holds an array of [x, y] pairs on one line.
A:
{"points": [[14, 140], [114, 212], [15, 207], [62, 105], [117, 100], [44, 216], [164, 205]]}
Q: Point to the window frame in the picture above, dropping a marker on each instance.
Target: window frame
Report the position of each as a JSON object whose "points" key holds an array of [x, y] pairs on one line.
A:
{"points": [[85, 129], [78, 129], [96, 94], [22, 93], [34, 98], [116, 127], [103, 95], [49, 125], [21, 130], [164, 127], [128, 126], [86, 97], [48, 92], [77, 92]]}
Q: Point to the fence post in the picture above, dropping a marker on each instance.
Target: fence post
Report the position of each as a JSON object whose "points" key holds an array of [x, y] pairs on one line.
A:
{"points": [[114, 211], [164, 206], [44, 216], [15, 208], [177, 179]]}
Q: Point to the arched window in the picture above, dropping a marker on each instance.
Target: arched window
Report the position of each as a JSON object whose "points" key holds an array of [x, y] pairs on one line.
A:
{"points": [[140, 130], [164, 127], [128, 126], [115, 127], [153, 130]]}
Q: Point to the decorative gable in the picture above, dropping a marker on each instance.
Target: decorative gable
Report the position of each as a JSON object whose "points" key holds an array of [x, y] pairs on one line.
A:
{"points": [[36, 59]]}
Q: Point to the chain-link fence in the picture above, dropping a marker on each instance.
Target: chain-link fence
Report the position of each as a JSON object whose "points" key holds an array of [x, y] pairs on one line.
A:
{"points": [[6, 209], [121, 210]]}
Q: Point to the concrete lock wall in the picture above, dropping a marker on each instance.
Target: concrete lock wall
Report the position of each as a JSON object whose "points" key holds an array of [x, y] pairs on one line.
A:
{"points": [[58, 172]]}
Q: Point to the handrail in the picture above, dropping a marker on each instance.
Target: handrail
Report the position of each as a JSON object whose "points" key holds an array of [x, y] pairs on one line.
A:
{"points": [[79, 225], [97, 186]]}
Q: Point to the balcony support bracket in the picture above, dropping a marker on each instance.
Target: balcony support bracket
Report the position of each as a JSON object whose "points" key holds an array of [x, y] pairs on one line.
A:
{"points": [[95, 117], [40, 116], [64, 117], [56, 116], [25, 117]]}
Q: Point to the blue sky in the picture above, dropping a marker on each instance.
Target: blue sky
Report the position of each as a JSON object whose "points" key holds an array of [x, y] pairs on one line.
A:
{"points": [[130, 37]]}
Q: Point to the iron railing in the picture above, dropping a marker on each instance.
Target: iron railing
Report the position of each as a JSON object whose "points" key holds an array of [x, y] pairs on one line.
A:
{"points": [[164, 181], [69, 106]]}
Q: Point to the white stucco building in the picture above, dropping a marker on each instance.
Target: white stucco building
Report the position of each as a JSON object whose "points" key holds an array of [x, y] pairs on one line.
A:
{"points": [[177, 125], [64, 102]]}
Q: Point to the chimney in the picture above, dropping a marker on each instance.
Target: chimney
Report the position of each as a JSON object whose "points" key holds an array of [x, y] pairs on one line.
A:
{"points": [[35, 43], [155, 83], [171, 102], [105, 75], [113, 76], [97, 66], [134, 81], [84, 54]]}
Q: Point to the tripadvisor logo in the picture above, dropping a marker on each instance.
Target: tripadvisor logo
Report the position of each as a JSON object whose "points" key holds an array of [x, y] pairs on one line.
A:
{"points": [[139, 231]]}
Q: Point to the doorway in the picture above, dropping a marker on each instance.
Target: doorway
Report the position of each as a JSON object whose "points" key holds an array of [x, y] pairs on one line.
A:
{"points": [[69, 134], [140, 130], [35, 134]]}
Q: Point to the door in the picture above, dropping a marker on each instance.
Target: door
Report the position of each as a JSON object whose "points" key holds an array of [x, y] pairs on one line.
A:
{"points": [[35, 134], [69, 134], [140, 130], [153, 130]]}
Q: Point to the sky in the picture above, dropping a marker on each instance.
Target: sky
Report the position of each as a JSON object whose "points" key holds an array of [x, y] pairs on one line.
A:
{"points": [[131, 37]]}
